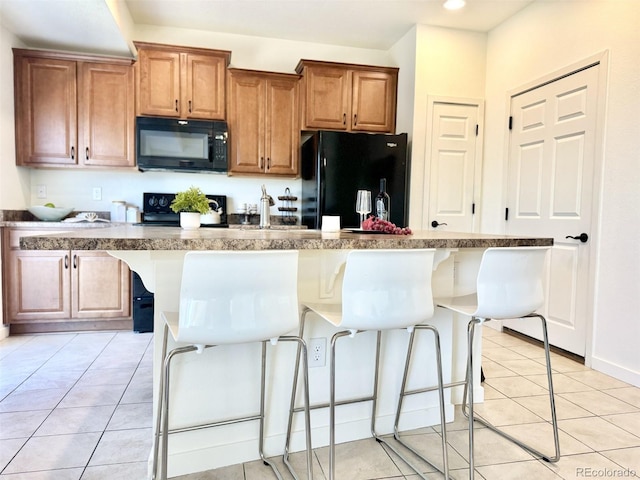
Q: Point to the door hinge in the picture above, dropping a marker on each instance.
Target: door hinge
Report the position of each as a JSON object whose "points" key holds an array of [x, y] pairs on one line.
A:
{"points": [[473, 209], [477, 128], [511, 123], [506, 213]]}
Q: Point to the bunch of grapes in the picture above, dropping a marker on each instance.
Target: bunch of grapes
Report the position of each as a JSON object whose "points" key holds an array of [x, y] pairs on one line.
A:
{"points": [[377, 224]]}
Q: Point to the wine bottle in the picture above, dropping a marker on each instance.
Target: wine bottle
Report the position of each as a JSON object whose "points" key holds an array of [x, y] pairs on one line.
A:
{"points": [[383, 201]]}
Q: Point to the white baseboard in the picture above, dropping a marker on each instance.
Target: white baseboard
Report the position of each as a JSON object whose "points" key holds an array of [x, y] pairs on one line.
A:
{"points": [[616, 371]]}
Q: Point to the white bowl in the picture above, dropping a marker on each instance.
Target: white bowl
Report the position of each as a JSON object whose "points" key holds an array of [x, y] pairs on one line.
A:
{"points": [[49, 214]]}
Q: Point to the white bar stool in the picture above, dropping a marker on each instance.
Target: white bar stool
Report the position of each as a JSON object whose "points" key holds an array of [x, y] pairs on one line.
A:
{"points": [[381, 290], [256, 302], [509, 285]]}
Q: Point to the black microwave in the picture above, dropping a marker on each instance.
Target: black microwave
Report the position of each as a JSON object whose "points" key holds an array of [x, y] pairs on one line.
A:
{"points": [[169, 144]]}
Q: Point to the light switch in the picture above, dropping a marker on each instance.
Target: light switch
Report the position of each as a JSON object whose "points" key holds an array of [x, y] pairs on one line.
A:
{"points": [[97, 193]]}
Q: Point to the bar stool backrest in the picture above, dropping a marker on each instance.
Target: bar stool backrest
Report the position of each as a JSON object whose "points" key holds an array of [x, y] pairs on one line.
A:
{"points": [[384, 289], [238, 297], [510, 283]]}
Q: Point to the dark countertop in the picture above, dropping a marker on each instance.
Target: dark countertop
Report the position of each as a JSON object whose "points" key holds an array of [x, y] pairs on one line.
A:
{"points": [[131, 237]]}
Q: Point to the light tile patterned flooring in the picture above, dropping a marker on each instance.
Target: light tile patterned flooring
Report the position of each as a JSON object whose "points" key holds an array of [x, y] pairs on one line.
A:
{"points": [[78, 406]]}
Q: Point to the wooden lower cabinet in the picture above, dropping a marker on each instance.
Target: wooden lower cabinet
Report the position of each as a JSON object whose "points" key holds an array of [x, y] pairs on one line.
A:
{"points": [[61, 290]]}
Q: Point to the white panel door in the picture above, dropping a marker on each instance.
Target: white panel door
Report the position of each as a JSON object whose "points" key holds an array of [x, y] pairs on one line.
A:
{"points": [[549, 193], [453, 166]]}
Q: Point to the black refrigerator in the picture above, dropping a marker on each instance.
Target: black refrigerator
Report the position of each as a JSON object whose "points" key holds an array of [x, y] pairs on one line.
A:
{"points": [[335, 165]]}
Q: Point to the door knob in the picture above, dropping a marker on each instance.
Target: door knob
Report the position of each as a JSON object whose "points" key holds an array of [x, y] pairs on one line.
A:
{"points": [[583, 237], [435, 224]]}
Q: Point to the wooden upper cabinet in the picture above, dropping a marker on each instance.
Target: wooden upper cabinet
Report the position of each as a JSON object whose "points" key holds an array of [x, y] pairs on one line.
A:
{"points": [[327, 98], [181, 82], [373, 106], [72, 110], [45, 105], [337, 96], [204, 96], [106, 115], [263, 123], [158, 85]]}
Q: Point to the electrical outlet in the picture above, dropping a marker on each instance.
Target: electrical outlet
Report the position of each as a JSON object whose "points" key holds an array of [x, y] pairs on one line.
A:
{"points": [[42, 191], [317, 352], [97, 193]]}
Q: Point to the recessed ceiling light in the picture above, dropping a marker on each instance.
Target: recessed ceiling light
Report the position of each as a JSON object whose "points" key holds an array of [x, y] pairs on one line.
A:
{"points": [[454, 4]]}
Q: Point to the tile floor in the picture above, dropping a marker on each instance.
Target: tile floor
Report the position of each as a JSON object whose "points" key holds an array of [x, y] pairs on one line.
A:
{"points": [[78, 406]]}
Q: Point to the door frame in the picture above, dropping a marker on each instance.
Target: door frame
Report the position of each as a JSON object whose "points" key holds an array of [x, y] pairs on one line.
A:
{"points": [[601, 58], [477, 174]]}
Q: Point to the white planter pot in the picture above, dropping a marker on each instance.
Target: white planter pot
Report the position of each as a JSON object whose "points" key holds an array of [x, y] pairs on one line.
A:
{"points": [[190, 220]]}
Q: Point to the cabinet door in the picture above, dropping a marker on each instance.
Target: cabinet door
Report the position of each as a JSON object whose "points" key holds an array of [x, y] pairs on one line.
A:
{"points": [[159, 83], [205, 87], [327, 98], [45, 111], [282, 130], [374, 101], [100, 285], [246, 123], [106, 115], [39, 286]]}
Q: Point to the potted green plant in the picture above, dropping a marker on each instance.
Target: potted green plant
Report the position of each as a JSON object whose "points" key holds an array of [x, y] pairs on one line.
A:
{"points": [[190, 203]]}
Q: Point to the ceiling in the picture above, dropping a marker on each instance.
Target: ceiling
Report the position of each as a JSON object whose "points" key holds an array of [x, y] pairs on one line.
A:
{"points": [[90, 26]]}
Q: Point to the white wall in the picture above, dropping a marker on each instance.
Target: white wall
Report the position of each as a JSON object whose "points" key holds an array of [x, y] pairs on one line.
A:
{"points": [[445, 62], [544, 38], [14, 182]]}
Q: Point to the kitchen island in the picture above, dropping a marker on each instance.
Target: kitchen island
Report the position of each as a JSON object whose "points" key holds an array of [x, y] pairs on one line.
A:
{"points": [[157, 253]]}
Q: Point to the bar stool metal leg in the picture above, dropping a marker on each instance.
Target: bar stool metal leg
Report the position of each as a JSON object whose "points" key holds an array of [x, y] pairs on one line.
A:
{"points": [[332, 404], [160, 462], [301, 352], [554, 422], [440, 387], [156, 437], [165, 406], [373, 398]]}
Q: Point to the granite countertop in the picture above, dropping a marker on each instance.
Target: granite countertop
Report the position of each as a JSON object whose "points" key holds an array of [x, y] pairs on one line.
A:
{"points": [[133, 237], [40, 225]]}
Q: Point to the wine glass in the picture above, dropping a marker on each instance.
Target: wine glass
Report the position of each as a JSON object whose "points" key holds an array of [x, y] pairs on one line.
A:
{"points": [[363, 204]]}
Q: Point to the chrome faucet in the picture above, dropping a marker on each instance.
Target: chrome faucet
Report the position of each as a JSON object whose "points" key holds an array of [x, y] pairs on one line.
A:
{"points": [[265, 202]]}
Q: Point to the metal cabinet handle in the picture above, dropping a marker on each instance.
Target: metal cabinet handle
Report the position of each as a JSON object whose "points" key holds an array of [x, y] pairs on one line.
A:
{"points": [[189, 106], [435, 224], [355, 119], [87, 152], [75, 261], [268, 163], [344, 118], [66, 261], [583, 237], [261, 163], [73, 152], [176, 105]]}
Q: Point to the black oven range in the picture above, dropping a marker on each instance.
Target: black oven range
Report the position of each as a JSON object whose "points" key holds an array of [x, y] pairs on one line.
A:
{"points": [[156, 210]]}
